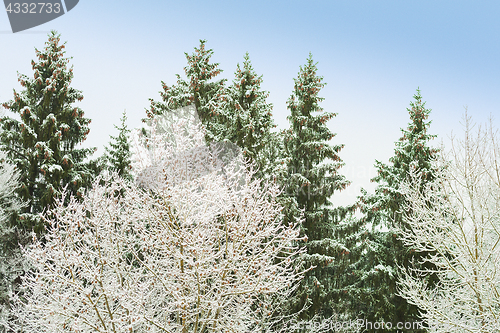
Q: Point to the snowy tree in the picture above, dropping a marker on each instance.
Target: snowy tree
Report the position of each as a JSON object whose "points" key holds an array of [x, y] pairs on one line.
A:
{"points": [[312, 178], [457, 217], [200, 89], [118, 155], [42, 144], [375, 276], [11, 260], [249, 116], [196, 246], [239, 114]]}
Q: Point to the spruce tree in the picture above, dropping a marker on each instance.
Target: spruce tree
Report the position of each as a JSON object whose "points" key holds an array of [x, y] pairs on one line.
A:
{"points": [[239, 114], [313, 177], [118, 155], [248, 117], [376, 276], [43, 143], [200, 89]]}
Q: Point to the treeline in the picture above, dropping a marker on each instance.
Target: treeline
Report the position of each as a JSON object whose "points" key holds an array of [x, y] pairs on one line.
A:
{"points": [[351, 262]]}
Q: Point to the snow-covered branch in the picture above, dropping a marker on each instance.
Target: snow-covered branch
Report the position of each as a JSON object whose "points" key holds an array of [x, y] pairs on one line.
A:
{"points": [[187, 249], [457, 217]]}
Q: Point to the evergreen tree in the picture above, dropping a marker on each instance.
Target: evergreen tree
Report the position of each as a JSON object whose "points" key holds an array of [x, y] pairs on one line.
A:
{"points": [[313, 165], [42, 144], [249, 118], [383, 213], [207, 95], [119, 155], [239, 114]]}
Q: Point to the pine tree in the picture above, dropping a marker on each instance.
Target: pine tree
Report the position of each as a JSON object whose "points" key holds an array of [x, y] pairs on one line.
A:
{"points": [[42, 144], [383, 213], [207, 95], [313, 168], [119, 155], [249, 118]]}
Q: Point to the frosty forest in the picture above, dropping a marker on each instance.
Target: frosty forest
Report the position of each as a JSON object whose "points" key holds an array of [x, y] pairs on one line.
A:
{"points": [[205, 219]]}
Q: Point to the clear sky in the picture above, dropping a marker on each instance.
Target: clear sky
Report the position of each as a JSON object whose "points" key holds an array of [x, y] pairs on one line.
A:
{"points": [[372, 54]]}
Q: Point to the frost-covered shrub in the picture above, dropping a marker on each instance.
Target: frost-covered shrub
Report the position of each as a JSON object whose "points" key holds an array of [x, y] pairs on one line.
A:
{"points": [[194, 246], [457, 217], [11, 261]]}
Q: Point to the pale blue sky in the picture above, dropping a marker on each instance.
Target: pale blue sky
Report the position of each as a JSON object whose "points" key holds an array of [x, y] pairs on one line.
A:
{"points": [[372, 54]]}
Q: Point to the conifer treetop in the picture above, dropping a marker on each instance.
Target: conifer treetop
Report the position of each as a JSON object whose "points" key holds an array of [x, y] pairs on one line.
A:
{"points": [[42, 143], [249, 115], [206, 94], [412, 149], [383, 211], [199, 69], [307, 139], [312, 177]]}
